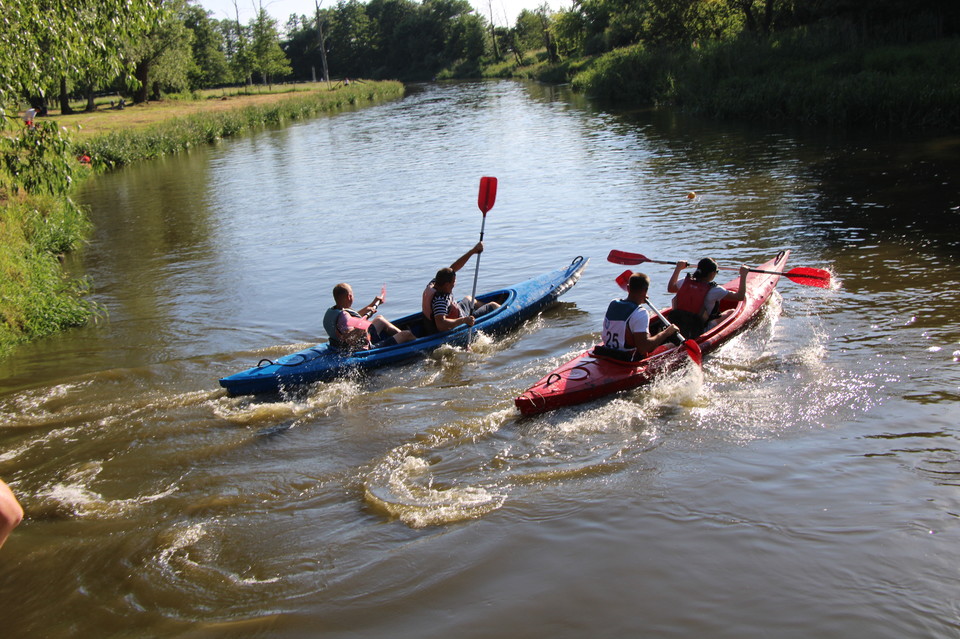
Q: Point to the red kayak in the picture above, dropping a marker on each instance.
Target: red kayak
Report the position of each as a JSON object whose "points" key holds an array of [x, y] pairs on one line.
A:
{"points": [[593, 374]]}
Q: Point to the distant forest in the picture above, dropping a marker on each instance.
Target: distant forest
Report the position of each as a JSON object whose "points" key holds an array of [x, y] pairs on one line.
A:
{"points": [[182, 48]]}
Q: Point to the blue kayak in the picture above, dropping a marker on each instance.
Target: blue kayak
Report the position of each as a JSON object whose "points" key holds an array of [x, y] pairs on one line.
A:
{"points": [[517, 304]]}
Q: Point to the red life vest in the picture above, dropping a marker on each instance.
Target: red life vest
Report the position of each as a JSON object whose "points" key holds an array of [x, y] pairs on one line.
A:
{"points": [[692, 295]]}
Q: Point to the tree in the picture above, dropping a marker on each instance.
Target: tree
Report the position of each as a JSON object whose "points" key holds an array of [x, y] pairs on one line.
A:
{"points": [[388, 18], [529, 31], [569, 29], [163, 57], [42, 40], [351, 38], [267, 56], [209, 49]]}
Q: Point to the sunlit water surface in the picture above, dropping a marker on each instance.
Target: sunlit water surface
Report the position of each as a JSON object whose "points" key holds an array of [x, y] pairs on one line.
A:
{"points": [[805, 483]]}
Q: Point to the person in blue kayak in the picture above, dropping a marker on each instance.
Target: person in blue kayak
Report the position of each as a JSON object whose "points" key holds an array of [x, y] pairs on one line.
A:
{"points": [[440, 310], [352, 330], [696, 306], [626, 324]]}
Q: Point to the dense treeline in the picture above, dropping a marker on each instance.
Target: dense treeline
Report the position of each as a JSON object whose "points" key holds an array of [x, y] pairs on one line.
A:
{"points": [[180, 47], [875, 63]]}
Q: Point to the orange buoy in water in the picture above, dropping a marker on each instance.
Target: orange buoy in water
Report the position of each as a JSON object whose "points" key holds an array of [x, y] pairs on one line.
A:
{"points": [[691, 195]]}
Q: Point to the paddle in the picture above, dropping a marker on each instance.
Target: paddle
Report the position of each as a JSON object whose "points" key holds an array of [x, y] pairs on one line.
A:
{"points": [[485, 200], [801, 275], [690, 346], [377, 302]]}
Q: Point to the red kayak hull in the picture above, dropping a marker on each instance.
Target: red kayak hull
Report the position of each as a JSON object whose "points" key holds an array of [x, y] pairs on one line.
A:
{"points": [[591, 375]]}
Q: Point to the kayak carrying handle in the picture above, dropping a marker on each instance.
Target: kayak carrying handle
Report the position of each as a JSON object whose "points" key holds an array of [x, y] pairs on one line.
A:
{"points": [[303, 360]]}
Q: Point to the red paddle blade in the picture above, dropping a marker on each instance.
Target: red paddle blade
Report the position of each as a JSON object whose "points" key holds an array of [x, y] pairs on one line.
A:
{"points": [[693, 351], [383, 293], [624, 278], [622, 257], [809, 276], [488, 194]]}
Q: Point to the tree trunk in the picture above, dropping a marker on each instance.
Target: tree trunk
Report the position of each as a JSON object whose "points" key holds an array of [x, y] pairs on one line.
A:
{"points": [[747, 7], [64, 98], [768, 17], [142, 74]]}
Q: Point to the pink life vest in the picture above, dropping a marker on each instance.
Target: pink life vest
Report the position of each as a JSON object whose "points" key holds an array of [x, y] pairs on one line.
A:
{"points": [[355, 321]]}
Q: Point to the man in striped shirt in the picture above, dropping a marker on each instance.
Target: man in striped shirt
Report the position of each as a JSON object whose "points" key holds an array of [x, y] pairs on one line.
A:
{"points": [[448, 313]]}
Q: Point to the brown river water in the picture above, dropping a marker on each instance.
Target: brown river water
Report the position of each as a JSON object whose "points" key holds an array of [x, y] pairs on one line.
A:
{"points": [[806, 483]]}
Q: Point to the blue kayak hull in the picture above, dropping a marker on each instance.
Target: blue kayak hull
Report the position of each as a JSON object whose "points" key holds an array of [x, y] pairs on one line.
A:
{"points": [[318, 363]]}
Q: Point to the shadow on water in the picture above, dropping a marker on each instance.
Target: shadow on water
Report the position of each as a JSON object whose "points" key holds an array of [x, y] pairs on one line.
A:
{"points": [[904, 191]]}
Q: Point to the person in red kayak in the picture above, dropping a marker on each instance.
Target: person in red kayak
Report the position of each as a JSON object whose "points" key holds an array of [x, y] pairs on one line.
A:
{"points": [[440, 311], [696, 306], [626, 325], [350, 330]]}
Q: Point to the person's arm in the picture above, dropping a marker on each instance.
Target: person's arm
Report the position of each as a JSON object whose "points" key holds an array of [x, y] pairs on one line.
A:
{"points": [[672, 286], [644, 343], [444, 323], [741, 292], [463, 259], [640, 332], [11, 513], [441, 318], [371, 308]]}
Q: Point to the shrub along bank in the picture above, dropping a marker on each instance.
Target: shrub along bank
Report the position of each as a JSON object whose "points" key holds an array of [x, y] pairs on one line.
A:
{"points": [[882, 87], [39, 222], [820, 76]]}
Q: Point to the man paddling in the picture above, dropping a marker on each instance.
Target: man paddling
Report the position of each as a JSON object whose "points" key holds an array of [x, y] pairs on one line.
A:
{"points": [[350, 330], [626, 325], [440, 311]]}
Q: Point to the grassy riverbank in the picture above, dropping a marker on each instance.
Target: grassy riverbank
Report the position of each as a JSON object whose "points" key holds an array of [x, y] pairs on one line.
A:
{"points": [[38, 221], [36, 299], [817, 77], [116, 137]]}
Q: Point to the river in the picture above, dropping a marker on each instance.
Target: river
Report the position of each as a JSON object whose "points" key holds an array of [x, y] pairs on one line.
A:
{"points": [[807, 483]]}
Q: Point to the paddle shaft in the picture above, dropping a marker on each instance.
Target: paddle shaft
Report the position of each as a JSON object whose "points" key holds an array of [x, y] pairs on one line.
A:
{"points": [[476, 271], [377, 302], [485, 200]]}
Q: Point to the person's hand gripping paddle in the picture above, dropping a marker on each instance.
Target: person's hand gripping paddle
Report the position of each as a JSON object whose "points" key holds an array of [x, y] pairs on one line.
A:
{"points": [[689, 346]]}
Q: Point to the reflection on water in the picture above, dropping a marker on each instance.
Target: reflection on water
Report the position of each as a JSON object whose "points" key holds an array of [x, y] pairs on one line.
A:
{"points": [[813, 459]]}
